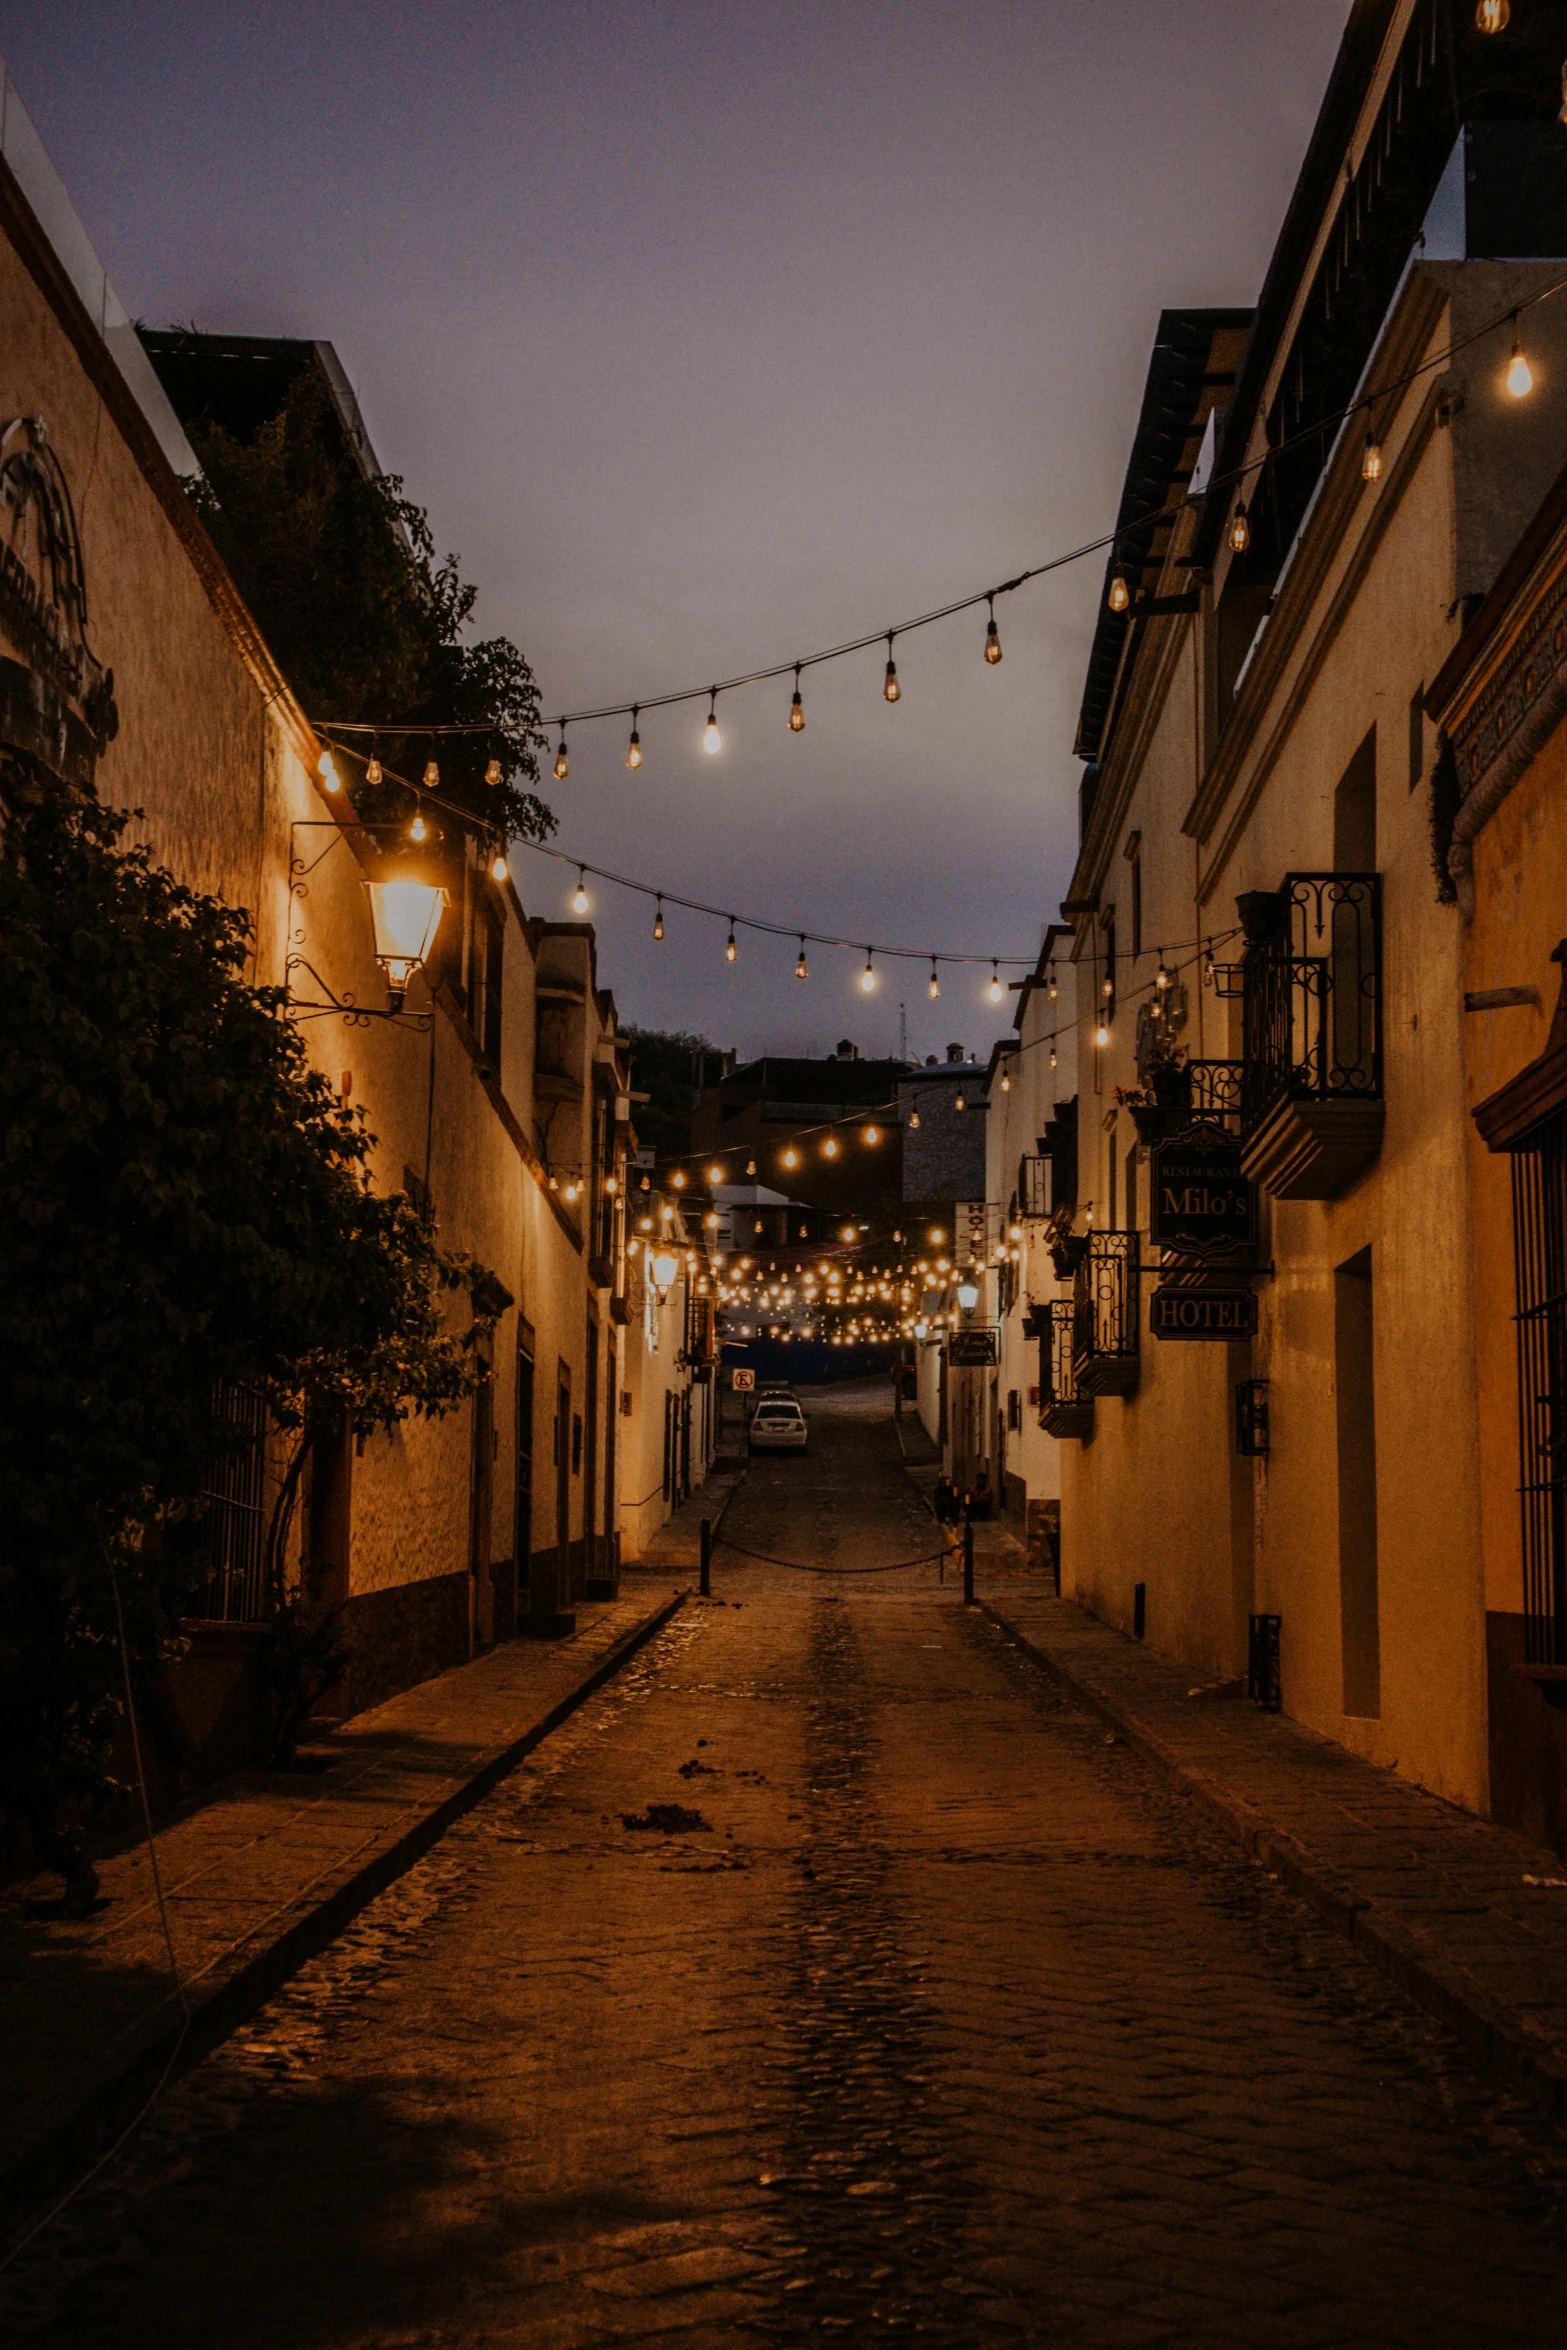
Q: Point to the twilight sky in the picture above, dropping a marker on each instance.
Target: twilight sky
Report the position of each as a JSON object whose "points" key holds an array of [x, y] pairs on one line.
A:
{"points": [[712, 332]]}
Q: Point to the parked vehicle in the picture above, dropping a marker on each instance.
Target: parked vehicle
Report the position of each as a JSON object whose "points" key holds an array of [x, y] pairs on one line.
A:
{"points": [[778, 1425]]}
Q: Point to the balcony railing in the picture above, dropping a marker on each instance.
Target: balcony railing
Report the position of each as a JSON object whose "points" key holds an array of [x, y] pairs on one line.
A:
{"points": [[1312, 973], [1063, 1412], [1105, 1315]]}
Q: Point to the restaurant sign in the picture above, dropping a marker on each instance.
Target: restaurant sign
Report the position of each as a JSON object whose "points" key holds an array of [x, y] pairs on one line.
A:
{"points": [[971, 1350], [1175, 1312], [1201, 1205]]}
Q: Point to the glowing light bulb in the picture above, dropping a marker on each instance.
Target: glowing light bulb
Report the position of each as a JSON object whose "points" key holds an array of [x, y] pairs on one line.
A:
{"points": [[1053, 990], [891, 690], [658, 920], [873, 1134], [797, 706], [800, 970], [750, 1166], [995, 991], [432, 775], [1102, 1033], [498, 867], [328, 773], [992, 639], [634, 746], [373, 770], [933, 984], [1006, 1082], [579, 902], [791, 1158], [418, 829], [959, 1103], [1120, 595], [731, 949], [1161, 977], [914, 1117], [868, 975], [712, 740], [1240, 529], [1054, 1058], [1520, 375], [1371, 461], [678, 1180], [1491, 16], [830, 1147], [562, 761], [492, 774]]}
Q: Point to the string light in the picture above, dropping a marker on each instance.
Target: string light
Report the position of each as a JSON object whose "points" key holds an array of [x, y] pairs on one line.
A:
{"points": [[715, 1174], [1491, 16], [914, 1118], [1006, 1082], [634, 746], [1371, 461], [1520, 375], [562, 761], [658, 920], [418, 829], [1162, 977], [731, 949], [712, 740], [1107, 987], [432, 776], [830, 1147], [373, 771], [933, 984], [1053, 989], [1054, 1058], [891, 690], [995, 990], [579, 903], [499, 869], [992, 634], [959, 1103], [1102, 1033], [492, 774], [873, 1134], [868, 975], [800, 969], [1240, 528], [797, 706], [791, 1158], [330, 780], [1120, 595]]}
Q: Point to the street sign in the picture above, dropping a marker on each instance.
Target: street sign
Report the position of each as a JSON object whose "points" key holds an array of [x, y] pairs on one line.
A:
{"points": [[1202, 1313], [742, 1381], [971, 1350], [1202, 1205]]}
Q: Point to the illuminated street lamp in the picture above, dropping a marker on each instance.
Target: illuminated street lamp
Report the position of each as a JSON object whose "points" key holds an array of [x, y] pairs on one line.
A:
{"points": [[666, 1270], [968, 1296], [405, 914]]}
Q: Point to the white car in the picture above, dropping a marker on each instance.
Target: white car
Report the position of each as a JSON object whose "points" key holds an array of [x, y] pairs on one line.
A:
{"points": [[778, 1425]]}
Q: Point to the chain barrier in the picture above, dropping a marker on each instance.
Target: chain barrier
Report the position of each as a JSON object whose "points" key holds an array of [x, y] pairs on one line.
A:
{"points": [[799, 1567]]}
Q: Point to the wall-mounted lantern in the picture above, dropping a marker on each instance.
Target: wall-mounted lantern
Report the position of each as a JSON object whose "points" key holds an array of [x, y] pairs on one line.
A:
{"points": [[968, 1295], [666, 1271], [405, 913]]}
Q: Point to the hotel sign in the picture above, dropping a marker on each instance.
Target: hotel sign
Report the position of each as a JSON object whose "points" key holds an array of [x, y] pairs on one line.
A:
{"points": [[1202, 1313], [1202, 1205]]}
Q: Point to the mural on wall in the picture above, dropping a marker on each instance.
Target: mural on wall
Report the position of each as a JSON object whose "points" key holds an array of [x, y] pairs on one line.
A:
{"points": [[56, 698]]}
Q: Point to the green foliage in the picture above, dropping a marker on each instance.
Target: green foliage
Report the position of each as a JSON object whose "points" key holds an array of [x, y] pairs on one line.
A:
{"points": [[341, 573], [669, 1066], [185, 1203]]}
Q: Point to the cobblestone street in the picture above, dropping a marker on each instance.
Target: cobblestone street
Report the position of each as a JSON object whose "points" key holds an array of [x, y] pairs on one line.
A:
{"points": [[831, 1972]]}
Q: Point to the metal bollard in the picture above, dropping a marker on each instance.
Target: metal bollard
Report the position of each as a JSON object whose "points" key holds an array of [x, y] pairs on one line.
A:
{"points": [[968, 1560], [707, 1558]]}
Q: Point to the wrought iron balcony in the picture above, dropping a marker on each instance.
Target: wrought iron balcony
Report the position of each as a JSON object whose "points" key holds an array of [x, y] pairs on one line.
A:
{"points": [[1105, 1316], [1062, 1410], [1312, 1109]]}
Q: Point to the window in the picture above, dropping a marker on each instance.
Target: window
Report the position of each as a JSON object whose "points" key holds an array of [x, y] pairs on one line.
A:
{"points": [[1355, 1386], [1540, 1251]]}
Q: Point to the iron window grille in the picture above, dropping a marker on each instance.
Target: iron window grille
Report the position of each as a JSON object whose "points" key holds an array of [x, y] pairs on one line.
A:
{"points": [[1063, 1411], [1034, 1187], [1105, 1315], [1217, 1088], [1312, 991], [233, 1528], [1540, 1264]]}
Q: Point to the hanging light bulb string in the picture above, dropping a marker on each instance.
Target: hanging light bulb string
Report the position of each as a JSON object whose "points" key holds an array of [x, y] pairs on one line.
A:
{"points": [[869, 1113], [421, 793], [668, 897], [1151, 517]]}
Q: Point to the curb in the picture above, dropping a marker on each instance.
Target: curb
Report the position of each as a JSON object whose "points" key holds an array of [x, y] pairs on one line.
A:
{"points": [[65, 2151], [1487, 2034]]}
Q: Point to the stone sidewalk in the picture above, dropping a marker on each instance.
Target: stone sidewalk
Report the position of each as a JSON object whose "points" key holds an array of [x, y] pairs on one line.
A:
{"points": [[259, 1872], [1467, 1918], [677, 1546]]}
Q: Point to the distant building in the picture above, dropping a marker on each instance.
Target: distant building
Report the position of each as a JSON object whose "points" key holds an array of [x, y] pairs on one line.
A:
{"points": [[825, 1130], [941, 1111]]}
